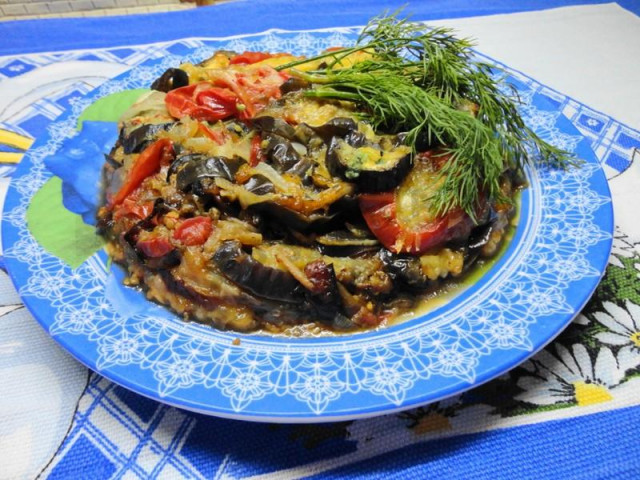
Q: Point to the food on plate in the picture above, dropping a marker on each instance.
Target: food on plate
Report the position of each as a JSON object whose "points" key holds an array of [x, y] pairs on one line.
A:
{"points": [[262, 191]]}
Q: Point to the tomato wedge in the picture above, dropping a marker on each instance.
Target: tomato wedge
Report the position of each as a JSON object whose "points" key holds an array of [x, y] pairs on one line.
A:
{"points": [[401, 219], [379, 211], [133, 206], [248, 58], [256, 156], [193, 231], [253, 86], [154, 247], [147, 163], [201, 101], [229, 93]]}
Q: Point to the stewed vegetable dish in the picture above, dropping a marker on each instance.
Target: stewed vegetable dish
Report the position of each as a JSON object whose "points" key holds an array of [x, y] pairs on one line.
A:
{"points": [[262, 191]]}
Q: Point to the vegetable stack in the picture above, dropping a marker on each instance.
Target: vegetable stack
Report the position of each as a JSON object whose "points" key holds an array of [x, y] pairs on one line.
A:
{"points": [[268, 191]]}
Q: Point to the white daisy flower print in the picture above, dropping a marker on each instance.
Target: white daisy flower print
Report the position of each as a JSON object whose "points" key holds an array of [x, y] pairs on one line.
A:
{"points": [[571, 377], [624, 328], [581, 320], [623, 247]]}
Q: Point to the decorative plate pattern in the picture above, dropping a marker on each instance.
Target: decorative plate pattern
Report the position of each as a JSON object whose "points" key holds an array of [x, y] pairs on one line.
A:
{"points": [[557, 256]]}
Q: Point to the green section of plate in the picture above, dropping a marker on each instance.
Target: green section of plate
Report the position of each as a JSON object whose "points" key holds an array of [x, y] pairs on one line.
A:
{"points": [[111, 107], [60, 232]]}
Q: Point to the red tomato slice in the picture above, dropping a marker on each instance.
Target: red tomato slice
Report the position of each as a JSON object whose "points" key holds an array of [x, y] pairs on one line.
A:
{"points": [[154, 247], [133, 206], [218, 136], [232, 81], [147, 163], [193, 231], [201, 101], [232, 93], [401, 219], [379, 211], [256, 155], [179, 101], [248, 58], [220, 100]]}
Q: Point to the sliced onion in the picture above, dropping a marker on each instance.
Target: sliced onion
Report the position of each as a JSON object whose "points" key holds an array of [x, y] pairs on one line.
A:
{"points": [[149, 104], [281, 184]]}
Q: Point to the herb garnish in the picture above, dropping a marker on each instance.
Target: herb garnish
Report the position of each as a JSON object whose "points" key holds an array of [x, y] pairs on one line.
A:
{"points": [[424, 82]]}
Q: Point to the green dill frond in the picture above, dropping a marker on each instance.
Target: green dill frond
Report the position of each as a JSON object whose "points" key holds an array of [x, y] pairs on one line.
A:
{"points": [[422, 81]]}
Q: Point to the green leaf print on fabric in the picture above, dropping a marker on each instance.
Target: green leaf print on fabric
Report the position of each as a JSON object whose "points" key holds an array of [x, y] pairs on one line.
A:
{"points": [[60, 232], [111, 107]]}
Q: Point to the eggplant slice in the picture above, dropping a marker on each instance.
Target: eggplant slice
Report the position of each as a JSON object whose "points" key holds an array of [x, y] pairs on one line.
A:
{"points": [[138, 139], [369, 166], [192, 169], [171, 79], [249, 274]]}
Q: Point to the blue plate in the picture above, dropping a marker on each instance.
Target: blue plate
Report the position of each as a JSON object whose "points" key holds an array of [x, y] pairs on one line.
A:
{"points": [[542, 280]]}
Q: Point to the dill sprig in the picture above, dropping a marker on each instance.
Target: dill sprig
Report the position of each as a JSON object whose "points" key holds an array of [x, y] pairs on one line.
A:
{"points": [[424, 82]]}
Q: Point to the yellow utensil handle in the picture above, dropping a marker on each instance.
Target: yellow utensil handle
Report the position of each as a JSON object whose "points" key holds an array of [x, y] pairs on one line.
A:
{"points": [[10, 157], [15, 140]]}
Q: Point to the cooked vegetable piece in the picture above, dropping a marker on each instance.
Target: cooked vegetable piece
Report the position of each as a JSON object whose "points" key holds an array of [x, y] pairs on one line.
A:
{"points": [[193, 168], [284, 157], [193, 231], [259, 185], [405, 270], [342, 238], [171, 79], [155, 246], [404, 220], [293, 84], [147, 163], [139, 138], [201, 101], [336, 127], [260, 280], [256, 156], [316, 222], [372, 168], [274, 125], [248, 58]]}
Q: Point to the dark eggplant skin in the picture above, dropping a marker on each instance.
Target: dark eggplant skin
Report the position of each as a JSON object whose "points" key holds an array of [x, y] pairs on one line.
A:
{"points": [[259, 185], [171, 79], [323, 303], [260, 280], [480, 235], [336, 127], [284, 158], [316, 222], [192, 169], [136, 140], [293, 84], [367, 180], [325, 300], [275, 126], [405, 270], [166, 262]]}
